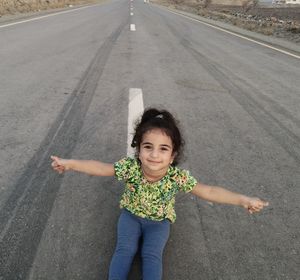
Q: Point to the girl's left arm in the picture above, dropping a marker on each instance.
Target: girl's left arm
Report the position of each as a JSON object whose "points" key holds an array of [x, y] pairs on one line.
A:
{"points": [[221, 195]]}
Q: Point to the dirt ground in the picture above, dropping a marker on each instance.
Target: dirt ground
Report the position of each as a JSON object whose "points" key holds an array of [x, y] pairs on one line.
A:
{"points": [[13, 7], [280, 22]]}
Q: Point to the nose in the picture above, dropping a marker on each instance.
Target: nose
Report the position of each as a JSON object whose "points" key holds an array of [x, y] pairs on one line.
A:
{"points": [[154, 153]]}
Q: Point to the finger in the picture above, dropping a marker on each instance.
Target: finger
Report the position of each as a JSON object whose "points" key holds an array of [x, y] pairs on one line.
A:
{"points": [[58, 167], [262, 204], [254, 209], [258, 206], [61, 169], [257, 209], [54, 158]]}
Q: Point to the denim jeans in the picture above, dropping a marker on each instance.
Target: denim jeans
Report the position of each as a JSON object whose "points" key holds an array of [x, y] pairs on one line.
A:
{"points": [[154, 236]]}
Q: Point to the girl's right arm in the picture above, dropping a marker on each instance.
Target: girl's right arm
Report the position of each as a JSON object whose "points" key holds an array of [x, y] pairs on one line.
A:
{"points": [[90, 167]]}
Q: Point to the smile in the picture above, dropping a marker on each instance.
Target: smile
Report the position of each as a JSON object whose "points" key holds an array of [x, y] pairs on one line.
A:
{"points": [[154, 162]]}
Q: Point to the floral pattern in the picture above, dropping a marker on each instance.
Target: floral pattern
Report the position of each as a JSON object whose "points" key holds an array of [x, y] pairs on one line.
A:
{"points": [[151, 200]]}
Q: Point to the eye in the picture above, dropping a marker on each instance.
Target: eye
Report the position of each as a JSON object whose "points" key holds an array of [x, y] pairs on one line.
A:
{"points": [[164, 149], [147, 147]]}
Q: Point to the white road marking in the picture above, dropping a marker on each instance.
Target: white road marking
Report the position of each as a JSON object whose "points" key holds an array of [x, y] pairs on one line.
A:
{"points": [[240, 36], [132, 27], [135, 110], [131, 14], [38, 18]]}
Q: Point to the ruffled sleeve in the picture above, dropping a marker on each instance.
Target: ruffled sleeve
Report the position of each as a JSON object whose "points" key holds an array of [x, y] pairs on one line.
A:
{"points": [[185, 181], [123, 167]]}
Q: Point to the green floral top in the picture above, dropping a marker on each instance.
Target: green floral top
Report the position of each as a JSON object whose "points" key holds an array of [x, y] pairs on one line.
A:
{"points": [[152, 200]]}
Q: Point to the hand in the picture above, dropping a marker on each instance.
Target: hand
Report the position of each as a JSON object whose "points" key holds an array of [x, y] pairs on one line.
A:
{"points": [[255, 204], [59, 164]]}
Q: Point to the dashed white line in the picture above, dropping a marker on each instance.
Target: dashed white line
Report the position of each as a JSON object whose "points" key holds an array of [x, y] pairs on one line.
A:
{"points": [[131, 14], [132, 27], [135, 110]]}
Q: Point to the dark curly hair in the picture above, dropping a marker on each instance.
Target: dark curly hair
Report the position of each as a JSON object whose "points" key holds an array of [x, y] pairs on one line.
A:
{"points": [[153, 118]]}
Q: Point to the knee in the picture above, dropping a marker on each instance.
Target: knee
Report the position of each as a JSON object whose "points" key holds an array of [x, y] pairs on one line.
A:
{"points": [[153, 249], [126, 249], [152, 253]]}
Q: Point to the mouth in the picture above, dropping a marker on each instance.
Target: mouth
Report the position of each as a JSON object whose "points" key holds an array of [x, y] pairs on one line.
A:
{"points": [[153, 162]]}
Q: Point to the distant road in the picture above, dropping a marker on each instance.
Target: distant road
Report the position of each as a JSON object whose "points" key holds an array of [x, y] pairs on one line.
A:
{"points": [[65, 81]]}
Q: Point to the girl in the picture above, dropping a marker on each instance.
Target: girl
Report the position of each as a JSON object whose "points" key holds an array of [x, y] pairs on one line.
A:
{"points": [[152, 181]]}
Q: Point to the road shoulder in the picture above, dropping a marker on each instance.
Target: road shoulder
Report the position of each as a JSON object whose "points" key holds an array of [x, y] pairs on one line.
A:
{"points": [[275, 42]]}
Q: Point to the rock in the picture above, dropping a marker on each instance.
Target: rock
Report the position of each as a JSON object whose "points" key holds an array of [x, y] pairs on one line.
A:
{"points": [[274, 19]]}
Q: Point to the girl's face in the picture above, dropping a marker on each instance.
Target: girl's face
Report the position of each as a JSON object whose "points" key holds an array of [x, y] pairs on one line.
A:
{"points": [[156, 152]]}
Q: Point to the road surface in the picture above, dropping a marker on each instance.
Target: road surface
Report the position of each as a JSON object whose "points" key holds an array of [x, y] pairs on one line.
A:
{"points": [[65, 83]]}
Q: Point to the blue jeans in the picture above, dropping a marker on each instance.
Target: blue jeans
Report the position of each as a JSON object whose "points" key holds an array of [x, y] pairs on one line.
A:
{"points": [[154, 238]]}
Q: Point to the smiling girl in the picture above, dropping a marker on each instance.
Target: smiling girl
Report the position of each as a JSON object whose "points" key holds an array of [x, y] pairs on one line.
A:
{"points": [[152, 181]]}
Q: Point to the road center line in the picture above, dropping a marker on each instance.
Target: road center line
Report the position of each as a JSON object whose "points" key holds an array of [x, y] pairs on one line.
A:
{"points": [[237, 35], [135, 110], [132, 27]]}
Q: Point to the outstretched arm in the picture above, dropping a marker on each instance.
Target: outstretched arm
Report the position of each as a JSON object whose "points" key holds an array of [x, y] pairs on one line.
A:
{"points": [[221, 195], [90, 167]]}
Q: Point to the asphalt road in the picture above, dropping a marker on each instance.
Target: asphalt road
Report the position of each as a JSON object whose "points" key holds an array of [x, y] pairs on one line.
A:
{"points": [[64, 84]]}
